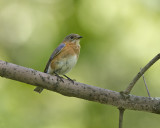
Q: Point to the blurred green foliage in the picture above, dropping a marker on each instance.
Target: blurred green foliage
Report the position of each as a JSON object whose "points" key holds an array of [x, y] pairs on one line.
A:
{"points": [[120, 37]]}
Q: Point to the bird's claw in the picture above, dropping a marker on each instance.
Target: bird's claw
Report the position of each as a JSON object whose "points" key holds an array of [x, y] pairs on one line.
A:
{"points": [[59, 78], [69, 79]]}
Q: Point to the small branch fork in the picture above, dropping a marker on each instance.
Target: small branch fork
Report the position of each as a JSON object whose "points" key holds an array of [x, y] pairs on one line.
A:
{"points": [[133, 82], [143, 70], [84, 91]]}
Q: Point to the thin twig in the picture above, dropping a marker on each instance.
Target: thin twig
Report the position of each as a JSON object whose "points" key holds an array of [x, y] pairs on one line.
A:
{"points": [[121, 113], [144, 69], [145, 84]]}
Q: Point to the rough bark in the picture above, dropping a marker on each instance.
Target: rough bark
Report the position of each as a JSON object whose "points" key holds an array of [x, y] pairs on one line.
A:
{"points": [[79, 90]]}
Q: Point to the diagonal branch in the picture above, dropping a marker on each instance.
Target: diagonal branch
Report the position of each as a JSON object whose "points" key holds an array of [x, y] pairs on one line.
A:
{"points": [[125, 93], [79, 90], [143, 70]]}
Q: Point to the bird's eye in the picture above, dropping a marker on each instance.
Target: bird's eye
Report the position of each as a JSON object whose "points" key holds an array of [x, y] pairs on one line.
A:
{"points": [[71, 37]]}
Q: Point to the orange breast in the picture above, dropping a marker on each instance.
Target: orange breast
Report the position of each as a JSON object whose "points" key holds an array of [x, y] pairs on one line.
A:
{"points": [[66, 59]]}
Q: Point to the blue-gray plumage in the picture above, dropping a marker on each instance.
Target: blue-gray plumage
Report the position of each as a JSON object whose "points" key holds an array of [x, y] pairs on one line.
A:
{"points": [[55, 52], [64, 58]]}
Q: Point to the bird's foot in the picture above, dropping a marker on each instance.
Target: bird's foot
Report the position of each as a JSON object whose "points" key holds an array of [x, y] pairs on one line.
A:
{"points": [[59, 78], [69, 79]]}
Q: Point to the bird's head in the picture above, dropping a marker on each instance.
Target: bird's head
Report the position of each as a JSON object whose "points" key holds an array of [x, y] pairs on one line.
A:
{"points": [[73, 38]]}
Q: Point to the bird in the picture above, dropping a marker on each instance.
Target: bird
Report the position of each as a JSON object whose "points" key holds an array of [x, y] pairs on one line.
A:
{"points": [[63, 58]]}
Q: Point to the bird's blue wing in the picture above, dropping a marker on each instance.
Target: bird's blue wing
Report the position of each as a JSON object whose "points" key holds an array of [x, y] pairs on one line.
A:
{"points": [[55, 53]]}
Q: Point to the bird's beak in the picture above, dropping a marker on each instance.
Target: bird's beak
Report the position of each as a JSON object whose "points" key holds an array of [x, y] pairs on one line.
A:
{"points": [[80, 37]]}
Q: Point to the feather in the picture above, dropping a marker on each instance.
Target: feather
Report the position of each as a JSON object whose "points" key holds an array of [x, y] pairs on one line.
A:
{"points": [[55, 53]]}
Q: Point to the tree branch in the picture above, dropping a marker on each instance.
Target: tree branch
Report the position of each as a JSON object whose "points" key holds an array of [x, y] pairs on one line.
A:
{"points": [[143, 70], [77, 89], [121, 113]]}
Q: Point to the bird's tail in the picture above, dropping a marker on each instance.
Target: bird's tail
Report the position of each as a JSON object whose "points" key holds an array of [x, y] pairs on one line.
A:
{"points": [[38, 89]]}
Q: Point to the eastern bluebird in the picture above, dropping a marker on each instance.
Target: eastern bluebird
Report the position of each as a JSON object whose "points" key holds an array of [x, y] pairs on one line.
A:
{"points": [[63, 58]]}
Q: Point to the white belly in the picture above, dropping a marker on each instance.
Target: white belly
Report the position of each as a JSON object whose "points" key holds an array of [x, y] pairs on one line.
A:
{"points": [[64, 66]]}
